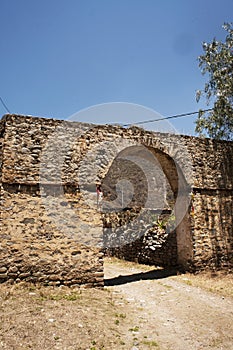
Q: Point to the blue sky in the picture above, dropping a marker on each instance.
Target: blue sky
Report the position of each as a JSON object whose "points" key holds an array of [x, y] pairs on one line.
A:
{"points": [[62, 56]]}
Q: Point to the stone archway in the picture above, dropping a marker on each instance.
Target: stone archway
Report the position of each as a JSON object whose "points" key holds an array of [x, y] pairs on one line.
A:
{"points": [[48, 168], [150, 157], [140, 182]]}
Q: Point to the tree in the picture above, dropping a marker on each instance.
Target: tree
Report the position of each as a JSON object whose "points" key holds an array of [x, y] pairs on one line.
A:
{"points": [[217, 62]]}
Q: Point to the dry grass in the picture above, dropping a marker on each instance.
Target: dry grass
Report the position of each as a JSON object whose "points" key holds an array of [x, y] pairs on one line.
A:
{"points": [[219, 282], [128, 264], [34, 317]]}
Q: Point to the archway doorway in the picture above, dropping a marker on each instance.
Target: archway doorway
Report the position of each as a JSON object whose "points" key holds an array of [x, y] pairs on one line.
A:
{"points": [[146, 208]]}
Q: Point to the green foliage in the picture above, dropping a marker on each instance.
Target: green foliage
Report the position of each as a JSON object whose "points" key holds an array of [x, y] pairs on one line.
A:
{"points": [[161, 224], [217, 62], [120, 315], [57, 297], [171, 222], [134, 329], [151, 343]]}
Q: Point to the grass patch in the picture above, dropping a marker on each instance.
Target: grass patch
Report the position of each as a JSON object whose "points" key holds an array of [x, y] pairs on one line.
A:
{"points": [[134, 329], [151, 343], [73, 296], [120, 315], [165, 285], [52, 315], [219, 282], [129, 264]]}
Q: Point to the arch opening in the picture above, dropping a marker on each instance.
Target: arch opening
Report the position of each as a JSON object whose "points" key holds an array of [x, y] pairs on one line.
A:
{"points": [[145, 211]]}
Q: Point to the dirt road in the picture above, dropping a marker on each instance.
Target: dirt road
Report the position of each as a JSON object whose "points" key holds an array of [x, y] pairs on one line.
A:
{"points": [[140, 308], [170, 314]]}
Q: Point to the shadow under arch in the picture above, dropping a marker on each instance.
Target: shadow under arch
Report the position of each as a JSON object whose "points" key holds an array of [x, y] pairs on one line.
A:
{"points": [[149, 275]]}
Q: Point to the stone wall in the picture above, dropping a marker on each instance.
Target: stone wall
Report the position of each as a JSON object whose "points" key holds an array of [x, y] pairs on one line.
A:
{"points": [[205, 163], [150, 237], [41, 238], [212, 213], [35, 250], [50, 229]]}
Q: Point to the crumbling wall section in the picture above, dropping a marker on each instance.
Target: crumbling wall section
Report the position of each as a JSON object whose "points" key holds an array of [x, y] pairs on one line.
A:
{"points": [[211, 204], [48, 172], [143, 236], [34, 248], [212, 213], [41, 238]]}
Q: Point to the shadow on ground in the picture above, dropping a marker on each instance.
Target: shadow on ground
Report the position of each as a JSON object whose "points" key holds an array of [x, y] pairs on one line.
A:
{"points": [[150, 275]]}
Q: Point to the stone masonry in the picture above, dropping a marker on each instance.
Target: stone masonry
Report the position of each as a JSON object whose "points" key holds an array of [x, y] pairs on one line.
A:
{"points": [[51, 230]]}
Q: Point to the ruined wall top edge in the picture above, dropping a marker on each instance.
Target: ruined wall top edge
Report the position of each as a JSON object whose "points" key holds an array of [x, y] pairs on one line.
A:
{"points": [[24, 138], [18, 118]]}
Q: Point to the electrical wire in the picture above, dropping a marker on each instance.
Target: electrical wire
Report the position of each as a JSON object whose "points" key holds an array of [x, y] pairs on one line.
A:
{"points": [[140, 122], [164, 118], [4, 105]]}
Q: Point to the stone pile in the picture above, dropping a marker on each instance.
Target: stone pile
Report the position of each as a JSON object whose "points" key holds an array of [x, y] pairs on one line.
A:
{"points": [[136, 235]]}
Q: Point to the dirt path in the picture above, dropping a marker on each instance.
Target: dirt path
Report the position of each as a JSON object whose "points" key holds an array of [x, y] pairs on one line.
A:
{"points": [[170, 313], [139, 309]]}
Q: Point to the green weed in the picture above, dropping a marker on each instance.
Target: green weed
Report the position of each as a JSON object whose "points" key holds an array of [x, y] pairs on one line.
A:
{"points": [[134, 329], [58, 297], [120, 315], [150, 343]]}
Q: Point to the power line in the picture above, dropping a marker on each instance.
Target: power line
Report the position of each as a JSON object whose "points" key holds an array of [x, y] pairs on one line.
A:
{"points": [[4, 105], [140, 122], [164, 118]]}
